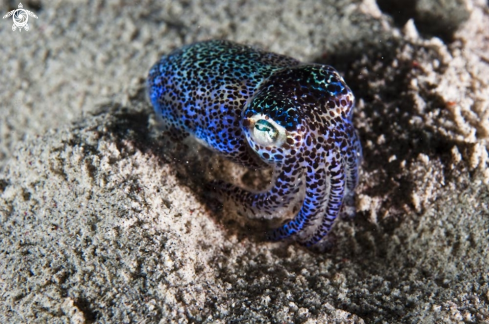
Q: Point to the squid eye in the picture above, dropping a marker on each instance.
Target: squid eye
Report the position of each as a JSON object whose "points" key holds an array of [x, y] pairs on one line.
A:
{"points": [[265, 133]]}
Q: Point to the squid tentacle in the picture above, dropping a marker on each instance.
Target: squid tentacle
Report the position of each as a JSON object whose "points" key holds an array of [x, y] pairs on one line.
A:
{"points": [[335, 199], [314, 197], [269, 204]]}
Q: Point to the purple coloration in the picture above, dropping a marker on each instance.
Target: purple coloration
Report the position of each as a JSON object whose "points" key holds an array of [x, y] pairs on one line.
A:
{"points": [[262, 109]]}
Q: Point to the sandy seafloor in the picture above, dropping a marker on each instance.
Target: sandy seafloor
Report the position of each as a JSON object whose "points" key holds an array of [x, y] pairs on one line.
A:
{"points": [[102, 220]]}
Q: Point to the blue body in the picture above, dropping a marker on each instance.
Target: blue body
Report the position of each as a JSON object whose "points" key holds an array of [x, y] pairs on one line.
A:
{"points": [[264, 109]]}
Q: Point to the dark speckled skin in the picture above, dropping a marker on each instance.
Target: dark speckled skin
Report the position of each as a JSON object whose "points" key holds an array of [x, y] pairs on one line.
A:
{"points": [[264, 109]]}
